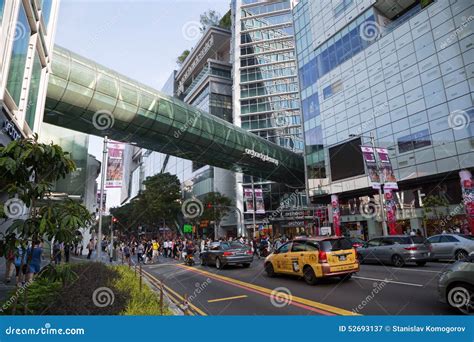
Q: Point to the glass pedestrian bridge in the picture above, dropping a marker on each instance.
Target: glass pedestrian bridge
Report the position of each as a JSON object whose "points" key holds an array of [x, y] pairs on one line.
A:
{"points": [[87, 97]]}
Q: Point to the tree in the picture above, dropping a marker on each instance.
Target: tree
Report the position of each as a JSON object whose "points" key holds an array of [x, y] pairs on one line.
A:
{"points": [[181, 58], [226, 21], [216, 207], [29, 170], [160, 201], [209, 18]]}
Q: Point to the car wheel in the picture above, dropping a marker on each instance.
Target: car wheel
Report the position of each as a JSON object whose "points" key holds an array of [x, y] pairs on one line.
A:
{"points": [[269, 269], [398, 261], [460, 297], [421, 263], [309, 276], [346, 277], [460, 255], [246, 265], [219, 265]]}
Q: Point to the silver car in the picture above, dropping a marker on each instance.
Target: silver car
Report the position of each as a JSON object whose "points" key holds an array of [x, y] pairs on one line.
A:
{"points": [[456, 285], [396, 250], [451, 246]]}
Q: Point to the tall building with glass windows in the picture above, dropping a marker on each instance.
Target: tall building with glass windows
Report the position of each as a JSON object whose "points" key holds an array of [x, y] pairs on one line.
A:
{"points": [[27, 31], [401, 71], [266, 93]]}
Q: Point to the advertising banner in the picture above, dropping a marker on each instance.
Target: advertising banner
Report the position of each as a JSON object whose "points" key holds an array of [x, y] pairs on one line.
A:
{"points": [[248, 196], [390, 182], [259, 203], [102, 207], [371, 164], [467, 188], [114, 165], [336, 215], [391, 209]]}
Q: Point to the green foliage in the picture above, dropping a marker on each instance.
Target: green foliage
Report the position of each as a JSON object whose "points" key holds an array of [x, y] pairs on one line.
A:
{"points": [[209, 18], [29, 170], [226, 21], [141, 303], [181, 58], [220, 207]]}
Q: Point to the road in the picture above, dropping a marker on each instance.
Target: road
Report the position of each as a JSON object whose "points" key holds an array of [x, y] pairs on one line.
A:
{"points": [[375, 290]]}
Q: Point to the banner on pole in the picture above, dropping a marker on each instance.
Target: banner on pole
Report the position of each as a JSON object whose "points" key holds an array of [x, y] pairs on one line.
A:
{"points": [[467, 188], [368, 154], [390, 182], [336, 215], [248, 196], [114, 165], [391, 209], [259, 203]]}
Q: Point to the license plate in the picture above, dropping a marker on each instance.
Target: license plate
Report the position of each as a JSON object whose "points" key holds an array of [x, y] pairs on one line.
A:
{"points": [[342, 258]]}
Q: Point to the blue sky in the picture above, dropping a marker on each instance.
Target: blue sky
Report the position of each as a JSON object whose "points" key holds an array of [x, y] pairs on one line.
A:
{"points": [[140, 39]]}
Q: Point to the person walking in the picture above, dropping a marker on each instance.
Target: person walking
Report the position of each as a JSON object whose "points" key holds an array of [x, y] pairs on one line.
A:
{"points": [[67, 252], [140, 250], [90, 247], [20, 265], [34, 256], [155, 253]]}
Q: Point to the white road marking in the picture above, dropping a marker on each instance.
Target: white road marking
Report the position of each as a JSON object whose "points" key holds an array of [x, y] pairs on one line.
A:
{"points": [[416, 270], [388, 281]]}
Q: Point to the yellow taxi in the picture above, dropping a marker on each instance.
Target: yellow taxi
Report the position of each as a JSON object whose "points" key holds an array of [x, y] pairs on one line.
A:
{"points": [[314, 258]]}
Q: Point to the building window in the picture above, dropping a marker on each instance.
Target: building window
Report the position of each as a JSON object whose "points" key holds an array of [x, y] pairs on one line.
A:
{"points": [[33, 92], [332, 89], [414, 141], [18, 57], [341, 7], [46, 11]]}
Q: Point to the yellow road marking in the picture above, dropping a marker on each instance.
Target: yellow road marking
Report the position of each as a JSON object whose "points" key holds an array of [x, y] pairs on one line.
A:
{"points": [[311, 303], [168, 289], [228, 298]]}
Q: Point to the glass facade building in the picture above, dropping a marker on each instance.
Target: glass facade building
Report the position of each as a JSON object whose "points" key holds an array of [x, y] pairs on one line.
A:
{"points": [[403, 74]]}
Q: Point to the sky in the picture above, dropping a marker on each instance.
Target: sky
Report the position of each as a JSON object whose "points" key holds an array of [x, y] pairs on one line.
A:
{"points": [[138, 38]]}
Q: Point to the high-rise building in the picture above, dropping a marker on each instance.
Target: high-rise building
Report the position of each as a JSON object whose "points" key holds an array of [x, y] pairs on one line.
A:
{"points": [[266, 97], [26, 36], [401, 72]]}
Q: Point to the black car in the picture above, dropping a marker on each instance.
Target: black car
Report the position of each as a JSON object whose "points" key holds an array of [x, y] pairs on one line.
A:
{"points": [[227, 253]]}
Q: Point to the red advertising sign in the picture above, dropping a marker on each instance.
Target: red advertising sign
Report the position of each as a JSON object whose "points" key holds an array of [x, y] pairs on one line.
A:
{"points": [[336, 215], [467, 188], [391, 207], [371, 164]]}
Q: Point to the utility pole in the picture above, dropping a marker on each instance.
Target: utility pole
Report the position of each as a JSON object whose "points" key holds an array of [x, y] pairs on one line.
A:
{"points": [[382, 183], [102, 185], [254, 209]]}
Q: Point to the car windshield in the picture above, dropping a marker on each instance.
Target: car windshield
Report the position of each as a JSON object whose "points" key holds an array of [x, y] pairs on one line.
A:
{"points": [[418, 239], [335, 245], [237, 244]]}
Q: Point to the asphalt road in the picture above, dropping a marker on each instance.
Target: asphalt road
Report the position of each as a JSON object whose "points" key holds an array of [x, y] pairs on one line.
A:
{"points": [[375, 290]]}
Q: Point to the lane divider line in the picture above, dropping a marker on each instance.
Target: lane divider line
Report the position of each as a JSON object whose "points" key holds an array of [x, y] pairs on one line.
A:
{"points": [[228, 298], [322, 308], [388, 281]]}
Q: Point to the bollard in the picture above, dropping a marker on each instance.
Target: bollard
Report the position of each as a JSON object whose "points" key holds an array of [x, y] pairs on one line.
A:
{"points": [[185, 305], [161, 298], [141, 274]]}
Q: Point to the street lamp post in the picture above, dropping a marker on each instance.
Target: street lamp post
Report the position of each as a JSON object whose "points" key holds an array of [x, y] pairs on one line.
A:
{"points": [[253, 205], [382, 183], [102, 185]]}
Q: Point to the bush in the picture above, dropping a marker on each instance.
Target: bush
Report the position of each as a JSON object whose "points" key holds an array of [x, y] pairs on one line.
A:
{"points": [[70, 290]]}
